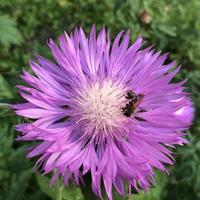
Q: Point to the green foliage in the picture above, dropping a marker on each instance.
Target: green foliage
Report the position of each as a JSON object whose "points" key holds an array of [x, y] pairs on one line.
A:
{"points": [[8, 31], [71, 192], [155, 192], [25, 27], [186, 174], [16, 177]]}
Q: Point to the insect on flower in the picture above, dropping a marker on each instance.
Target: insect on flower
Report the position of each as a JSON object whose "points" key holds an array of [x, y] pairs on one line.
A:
{"points": [[134, 101], [105, 109]]}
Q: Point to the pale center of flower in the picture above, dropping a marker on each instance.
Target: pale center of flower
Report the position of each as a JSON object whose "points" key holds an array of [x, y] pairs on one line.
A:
{"points": [[101, 106]]}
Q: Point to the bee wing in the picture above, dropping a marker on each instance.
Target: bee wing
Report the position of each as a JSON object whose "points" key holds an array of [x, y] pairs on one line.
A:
{"points": [[139, 99]]}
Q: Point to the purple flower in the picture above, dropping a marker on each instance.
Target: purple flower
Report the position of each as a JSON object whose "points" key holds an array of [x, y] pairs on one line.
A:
{"points": [[105, 109]]}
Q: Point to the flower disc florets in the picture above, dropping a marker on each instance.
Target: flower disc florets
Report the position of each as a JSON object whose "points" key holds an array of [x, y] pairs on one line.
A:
{"points": [[106, 110], [99, 107]]}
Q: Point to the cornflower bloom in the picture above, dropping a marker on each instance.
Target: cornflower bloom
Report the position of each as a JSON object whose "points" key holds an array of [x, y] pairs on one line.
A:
{"points": [[105, 109]]}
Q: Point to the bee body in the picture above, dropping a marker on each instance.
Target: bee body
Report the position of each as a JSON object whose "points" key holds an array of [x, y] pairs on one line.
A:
{"points": [[131, 95], [133, 102], [128, 109]]}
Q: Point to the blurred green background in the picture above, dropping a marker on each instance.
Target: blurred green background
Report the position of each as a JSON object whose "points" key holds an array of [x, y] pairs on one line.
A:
{"points": [[26, 25]]}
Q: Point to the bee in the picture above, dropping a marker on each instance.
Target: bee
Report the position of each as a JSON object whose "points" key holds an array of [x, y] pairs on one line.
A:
{"points": [[133, 101], [131, 95], [128, 109]]}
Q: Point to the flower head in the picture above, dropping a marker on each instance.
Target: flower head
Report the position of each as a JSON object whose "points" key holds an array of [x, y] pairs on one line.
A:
{"points": [[105, 109]]}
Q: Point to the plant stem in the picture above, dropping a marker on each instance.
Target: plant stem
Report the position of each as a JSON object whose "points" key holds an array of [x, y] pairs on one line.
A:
{"points": [[5, 105], [143, 4], [59, 191]]}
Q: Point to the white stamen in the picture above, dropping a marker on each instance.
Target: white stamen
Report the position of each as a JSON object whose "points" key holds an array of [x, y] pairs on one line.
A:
{"points": [[100, 106]]}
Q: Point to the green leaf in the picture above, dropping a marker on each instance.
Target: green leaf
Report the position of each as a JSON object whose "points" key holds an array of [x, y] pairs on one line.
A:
{"points": [[9, 34], [69, 192], [153, 193], [6, 90], [43, 183], [169, 30]]}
